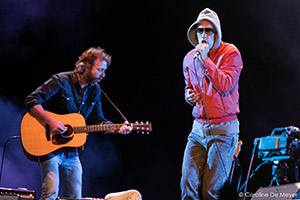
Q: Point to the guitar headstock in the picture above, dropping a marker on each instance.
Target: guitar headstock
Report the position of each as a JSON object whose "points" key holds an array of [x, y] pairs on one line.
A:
{"points": [[142, 127]]}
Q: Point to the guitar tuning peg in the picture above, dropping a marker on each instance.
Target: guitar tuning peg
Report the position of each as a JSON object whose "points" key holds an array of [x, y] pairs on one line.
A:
{"points": [[147, 122], [136, 122], [141, 122]]}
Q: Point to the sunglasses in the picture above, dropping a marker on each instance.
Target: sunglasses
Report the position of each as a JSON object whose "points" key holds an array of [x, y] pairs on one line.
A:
{"points": [[208, 31]]}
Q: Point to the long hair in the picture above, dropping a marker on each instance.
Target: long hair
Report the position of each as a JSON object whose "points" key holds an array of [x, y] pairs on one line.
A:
{"points": [[88, 58]]}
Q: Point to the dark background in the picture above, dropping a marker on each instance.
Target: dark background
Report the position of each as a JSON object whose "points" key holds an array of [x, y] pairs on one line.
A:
{"points": [[147, 40]]}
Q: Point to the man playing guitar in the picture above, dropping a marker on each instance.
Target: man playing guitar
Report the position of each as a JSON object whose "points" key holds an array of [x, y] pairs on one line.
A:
{"points": [[76, 91]]}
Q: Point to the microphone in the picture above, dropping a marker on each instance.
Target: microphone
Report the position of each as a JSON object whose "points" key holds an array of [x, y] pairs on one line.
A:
{"points": [[196, 54]]}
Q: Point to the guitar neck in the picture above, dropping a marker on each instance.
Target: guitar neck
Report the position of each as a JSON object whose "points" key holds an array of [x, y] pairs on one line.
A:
{"points": [[97, 128]]}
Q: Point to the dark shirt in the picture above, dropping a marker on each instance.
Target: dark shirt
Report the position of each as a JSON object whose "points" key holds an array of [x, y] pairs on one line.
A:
{"points": [[62, 94]]}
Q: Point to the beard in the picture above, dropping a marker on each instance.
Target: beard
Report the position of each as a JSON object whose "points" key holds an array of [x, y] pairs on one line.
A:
{"points": [[92, 79]]}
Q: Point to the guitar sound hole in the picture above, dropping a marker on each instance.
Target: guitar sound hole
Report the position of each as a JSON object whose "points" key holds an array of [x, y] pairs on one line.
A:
{"points": [[64, 138]]}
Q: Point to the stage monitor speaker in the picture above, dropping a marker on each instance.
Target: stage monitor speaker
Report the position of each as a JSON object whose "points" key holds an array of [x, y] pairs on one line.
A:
{"points": [[281, 192], [10, 197], [22, 193]]}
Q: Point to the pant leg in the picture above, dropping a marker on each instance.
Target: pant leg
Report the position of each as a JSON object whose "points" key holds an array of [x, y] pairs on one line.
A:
{"points": [[71, 178], [214, 175], [194, 161], [50, 178]]}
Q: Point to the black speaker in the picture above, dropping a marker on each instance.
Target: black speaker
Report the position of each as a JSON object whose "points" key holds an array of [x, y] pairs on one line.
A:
{"points": [[281, 192]]}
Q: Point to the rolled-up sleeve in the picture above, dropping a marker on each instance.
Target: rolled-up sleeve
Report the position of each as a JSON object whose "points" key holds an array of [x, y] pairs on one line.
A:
{"points": [[42, 93]]}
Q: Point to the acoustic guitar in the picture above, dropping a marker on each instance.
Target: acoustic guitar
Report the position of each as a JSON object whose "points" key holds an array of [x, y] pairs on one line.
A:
{"points": [[38, 141]]}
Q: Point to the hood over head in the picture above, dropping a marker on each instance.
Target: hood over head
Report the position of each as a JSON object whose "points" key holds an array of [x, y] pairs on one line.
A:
{"points": [[211, 16]]}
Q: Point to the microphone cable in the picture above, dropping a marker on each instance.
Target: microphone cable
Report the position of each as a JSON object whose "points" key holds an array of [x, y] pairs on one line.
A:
{"points": [[3, 153], [256, 142], [253, 173], [220, 159], [110, 101]]}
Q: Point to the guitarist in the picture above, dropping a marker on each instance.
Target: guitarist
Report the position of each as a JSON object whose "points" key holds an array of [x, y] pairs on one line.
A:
{"points": [[76, 91]]}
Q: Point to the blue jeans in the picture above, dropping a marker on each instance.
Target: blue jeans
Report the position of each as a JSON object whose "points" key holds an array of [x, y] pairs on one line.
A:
{"points": [[202, 167], [64, 170]]}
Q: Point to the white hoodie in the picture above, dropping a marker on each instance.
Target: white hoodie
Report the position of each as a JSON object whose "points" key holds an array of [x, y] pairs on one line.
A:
{"points": [[211, 16]]}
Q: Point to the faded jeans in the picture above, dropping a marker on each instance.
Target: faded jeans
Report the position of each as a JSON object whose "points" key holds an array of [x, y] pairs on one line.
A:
{"points": [[63, 170], [202, 167]]}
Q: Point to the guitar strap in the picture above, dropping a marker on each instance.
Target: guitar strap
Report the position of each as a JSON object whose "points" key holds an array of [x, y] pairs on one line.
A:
{"points": [[110, 101]]}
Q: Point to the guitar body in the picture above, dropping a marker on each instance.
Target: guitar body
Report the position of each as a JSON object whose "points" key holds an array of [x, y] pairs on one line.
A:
{"points": [[37, 140]]}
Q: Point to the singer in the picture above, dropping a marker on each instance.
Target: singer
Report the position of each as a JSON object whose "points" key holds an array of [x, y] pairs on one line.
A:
{"points": [[211, 73], [76, 91]]}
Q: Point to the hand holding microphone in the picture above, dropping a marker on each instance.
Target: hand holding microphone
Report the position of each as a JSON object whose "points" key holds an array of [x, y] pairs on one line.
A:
{"points": [[202, 50]]}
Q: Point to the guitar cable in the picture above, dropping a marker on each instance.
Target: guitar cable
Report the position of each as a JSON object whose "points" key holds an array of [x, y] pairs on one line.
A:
{"points": [[3, 153]]}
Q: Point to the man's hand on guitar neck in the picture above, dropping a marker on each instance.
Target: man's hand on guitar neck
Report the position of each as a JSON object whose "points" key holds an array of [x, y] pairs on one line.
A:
{"points": [[125, 128]]}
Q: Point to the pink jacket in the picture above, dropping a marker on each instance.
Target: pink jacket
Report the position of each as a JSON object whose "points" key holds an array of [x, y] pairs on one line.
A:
{"points": [[218, 77]]}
